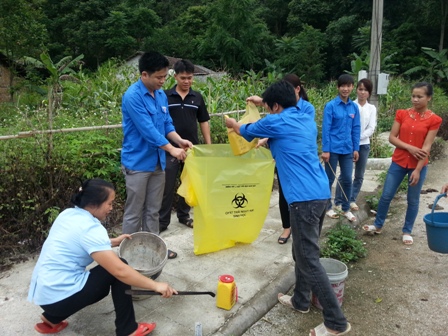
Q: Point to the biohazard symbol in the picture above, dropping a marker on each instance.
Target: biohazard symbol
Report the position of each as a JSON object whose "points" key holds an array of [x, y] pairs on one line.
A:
{"points": [[239, 201]]}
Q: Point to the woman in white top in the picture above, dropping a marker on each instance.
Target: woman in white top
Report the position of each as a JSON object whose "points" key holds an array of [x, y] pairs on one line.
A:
{"points": [[367, 113], [61, 285]]}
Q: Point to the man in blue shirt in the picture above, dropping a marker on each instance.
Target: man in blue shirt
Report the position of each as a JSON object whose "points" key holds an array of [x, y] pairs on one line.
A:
{"points": [[146, 126], [341, 131], [292, 140]]}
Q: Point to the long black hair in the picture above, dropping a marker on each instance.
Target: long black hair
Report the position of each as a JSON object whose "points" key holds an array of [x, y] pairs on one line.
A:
{"points": [[92, 192], [295, 81]]}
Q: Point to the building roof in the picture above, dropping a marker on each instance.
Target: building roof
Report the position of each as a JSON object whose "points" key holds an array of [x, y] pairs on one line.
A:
{"points": [[198, 69]]}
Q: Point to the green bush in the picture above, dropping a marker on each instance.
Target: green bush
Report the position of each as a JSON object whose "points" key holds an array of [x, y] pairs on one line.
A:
{"points": [[342, 244]]}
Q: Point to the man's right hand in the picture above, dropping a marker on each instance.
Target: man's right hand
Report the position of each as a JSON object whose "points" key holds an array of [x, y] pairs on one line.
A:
{"points": [[178, 153], [257, 100], [325, 156]]}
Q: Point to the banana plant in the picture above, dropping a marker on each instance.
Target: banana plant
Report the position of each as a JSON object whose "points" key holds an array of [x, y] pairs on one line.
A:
{"points": [[435, 69], [62, 70]]}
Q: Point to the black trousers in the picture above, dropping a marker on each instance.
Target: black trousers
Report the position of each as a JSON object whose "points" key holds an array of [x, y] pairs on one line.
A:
{"points": [[97, 287], [172, 169], [284, 207]]}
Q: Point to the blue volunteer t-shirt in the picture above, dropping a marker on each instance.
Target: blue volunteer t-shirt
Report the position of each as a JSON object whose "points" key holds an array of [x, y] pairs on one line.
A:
{"points": [[292, 140], [61, 268]]}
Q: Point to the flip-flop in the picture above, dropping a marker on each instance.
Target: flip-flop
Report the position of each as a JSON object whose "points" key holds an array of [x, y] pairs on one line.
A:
{"points": [[45, 328], [286, 301], [407, 239], [144, 329], [332, 214], [172, 254], [321, 330], [371, 228]]}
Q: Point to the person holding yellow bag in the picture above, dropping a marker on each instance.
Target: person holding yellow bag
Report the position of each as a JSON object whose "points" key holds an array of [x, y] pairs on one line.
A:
{"points": [[303, 106], [292, 140]]}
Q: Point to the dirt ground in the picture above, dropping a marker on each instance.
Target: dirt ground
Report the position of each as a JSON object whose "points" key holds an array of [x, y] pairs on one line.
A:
{"points": [[395, 290]]}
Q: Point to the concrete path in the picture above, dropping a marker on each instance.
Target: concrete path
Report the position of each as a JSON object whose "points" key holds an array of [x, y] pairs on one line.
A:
{"points": [[261, 270]]}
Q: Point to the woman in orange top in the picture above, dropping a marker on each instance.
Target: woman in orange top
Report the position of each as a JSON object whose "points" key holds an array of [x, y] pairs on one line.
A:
{"points": [[413, 133]]}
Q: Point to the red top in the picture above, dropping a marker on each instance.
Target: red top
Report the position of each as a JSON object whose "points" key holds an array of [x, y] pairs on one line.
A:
{"points": [[413, 131]]}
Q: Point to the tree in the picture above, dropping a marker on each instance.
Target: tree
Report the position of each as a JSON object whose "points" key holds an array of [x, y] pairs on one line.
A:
{"points": [[303, 54], [99, 29], [21, 31], [236, 38]]}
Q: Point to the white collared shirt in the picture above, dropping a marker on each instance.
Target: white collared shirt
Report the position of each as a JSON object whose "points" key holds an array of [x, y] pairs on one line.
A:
{"points": [[368, 121]]}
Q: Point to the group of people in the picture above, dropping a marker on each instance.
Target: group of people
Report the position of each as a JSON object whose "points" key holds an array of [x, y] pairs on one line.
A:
{"points": [[158, 128], [291, 133]]}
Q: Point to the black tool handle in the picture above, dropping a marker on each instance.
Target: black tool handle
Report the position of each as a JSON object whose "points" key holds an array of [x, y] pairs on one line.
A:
{"points": [[148, 292]]}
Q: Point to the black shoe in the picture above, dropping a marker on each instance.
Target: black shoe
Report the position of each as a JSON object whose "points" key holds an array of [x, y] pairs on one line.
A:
{"points": [[187, 221], [161, 229]]}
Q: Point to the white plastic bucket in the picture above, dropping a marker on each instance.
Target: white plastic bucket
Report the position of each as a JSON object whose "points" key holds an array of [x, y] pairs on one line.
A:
{"points": [[337, 272]]}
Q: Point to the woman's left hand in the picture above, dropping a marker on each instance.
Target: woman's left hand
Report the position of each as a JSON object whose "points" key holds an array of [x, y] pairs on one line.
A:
{"points": [[117, 241], [414, 178]]}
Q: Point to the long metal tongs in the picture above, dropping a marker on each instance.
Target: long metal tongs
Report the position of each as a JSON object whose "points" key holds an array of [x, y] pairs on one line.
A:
{"points": [[148, 292]]}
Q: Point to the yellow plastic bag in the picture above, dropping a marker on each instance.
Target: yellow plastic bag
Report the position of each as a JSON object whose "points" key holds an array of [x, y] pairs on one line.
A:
{"points": [[239, 144], [231, 194]]}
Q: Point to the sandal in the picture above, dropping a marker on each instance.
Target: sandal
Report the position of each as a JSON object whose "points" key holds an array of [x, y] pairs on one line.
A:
{"points": [[332, 214], [351, 217], [354, 206], [45, 328], [172, 254], [407, 239], [283, 240], [371, 228], [144, 329], [321, 330], [187, 221], [286, 301]]}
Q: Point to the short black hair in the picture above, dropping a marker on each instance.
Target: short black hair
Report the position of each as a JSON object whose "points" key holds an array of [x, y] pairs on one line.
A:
{"points": [[152, 61], [367, 83], [281, 93], [93, 192], [345, 79], [183, 65], [428, 86]]}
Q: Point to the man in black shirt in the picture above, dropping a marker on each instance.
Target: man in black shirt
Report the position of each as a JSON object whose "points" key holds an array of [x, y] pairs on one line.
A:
{"points": [[187, 109]]}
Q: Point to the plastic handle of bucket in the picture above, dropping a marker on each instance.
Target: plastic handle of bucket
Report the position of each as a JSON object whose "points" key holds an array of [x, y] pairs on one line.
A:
{"points": [[434, 205]]}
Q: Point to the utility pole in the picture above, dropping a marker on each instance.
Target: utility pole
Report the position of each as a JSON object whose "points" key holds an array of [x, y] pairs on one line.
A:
{"points": [[376, 35]]}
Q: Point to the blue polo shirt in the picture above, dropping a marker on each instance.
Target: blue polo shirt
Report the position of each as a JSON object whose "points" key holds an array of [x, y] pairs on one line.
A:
{"points": [[146, 123], [341, 127], [61, 271], [292, 140], [306, 107]]}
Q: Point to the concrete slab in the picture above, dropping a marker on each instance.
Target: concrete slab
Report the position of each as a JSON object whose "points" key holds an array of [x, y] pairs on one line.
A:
{"points": [[261, 270]]}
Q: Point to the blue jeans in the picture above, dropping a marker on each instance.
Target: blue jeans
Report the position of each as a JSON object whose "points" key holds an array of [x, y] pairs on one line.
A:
{"points": [[395, 175], [345, 178], [360, 168], [306, 224]]}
